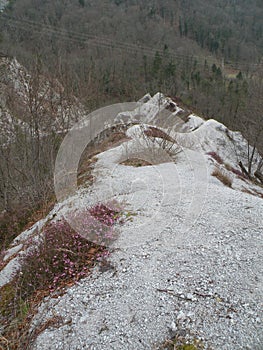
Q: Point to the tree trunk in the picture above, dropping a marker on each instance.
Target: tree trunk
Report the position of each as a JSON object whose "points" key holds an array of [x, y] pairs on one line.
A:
{"points": [[244, 170], [259, 176]]}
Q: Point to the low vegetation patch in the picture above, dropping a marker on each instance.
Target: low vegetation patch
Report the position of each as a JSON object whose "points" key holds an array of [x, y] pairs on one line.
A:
{"points": [[221, 176], [253, 192], [180, 343], [61, 258], [154, 132], [85, 172], [216, 157], [12, 223], [235, 171], [136, 162]]}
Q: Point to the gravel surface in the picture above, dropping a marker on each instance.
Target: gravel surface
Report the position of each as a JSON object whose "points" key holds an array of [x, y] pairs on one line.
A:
{"points": [[190, 262]]}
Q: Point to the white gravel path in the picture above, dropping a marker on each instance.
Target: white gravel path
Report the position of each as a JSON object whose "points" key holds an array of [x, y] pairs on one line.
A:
{"points": [[191, 260]]}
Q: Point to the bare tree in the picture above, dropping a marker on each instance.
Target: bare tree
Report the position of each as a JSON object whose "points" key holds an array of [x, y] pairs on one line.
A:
{"points": [[38, 117]]}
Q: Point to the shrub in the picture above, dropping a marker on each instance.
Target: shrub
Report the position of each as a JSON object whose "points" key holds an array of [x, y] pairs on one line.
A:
{"points": [[162, 139], [151, 146], [224, 178]]}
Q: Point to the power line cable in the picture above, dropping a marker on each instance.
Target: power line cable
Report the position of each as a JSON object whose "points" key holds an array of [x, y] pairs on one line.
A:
{"points": [[104, 42]]}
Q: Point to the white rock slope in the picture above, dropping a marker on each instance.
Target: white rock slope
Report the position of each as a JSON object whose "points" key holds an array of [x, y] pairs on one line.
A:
{"points": [[189, 263]]}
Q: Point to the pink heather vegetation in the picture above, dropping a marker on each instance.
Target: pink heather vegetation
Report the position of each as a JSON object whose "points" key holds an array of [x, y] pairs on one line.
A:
{"points": [[238, 173], [62, 257], [65, 255], [216, 157], [219, 160]]}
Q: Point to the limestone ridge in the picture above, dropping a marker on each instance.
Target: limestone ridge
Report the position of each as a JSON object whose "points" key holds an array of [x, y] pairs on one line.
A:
{"points": [[222, 242]]}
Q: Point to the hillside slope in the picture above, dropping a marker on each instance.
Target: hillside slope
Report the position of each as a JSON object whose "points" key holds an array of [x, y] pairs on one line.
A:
{"points": [[188, 264], [208, 53]]}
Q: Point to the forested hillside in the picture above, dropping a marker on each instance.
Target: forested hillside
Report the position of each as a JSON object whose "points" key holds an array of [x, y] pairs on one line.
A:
{"points": [[229, 28], [205, 53], [120, 48]]}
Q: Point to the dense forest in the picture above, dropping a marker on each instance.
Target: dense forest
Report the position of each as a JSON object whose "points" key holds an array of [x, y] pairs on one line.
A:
{"points": [[206, 53], [120, 49]]}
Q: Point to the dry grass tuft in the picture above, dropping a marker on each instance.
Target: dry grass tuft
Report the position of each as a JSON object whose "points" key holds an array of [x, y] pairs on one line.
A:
{"points": [[156, 132], [224, 178], [136, 162]]}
